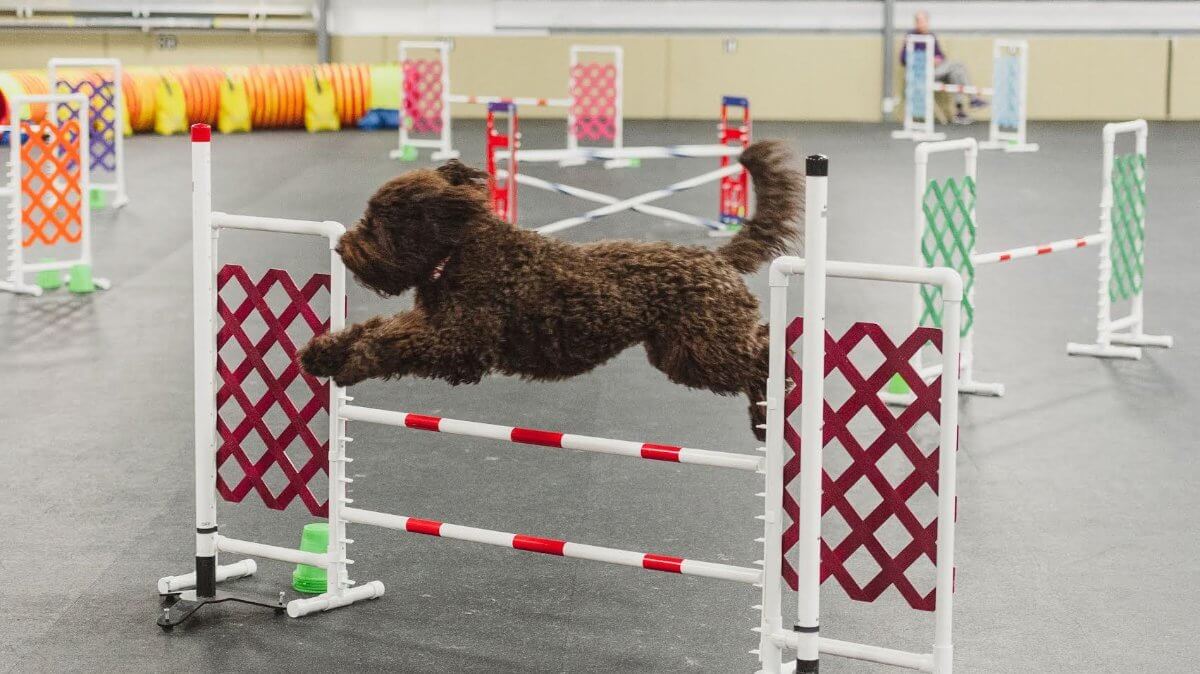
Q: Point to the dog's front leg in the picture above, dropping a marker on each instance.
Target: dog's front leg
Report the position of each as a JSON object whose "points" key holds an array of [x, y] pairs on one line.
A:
{"points": [[330, 354]]}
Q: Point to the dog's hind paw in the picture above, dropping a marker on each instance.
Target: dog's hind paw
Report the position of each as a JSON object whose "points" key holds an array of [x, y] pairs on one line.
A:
{"points": [[324, 356]]}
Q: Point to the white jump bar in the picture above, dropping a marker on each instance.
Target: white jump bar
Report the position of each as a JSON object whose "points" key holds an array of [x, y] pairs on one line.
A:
{"points": [[606, 153], [553, 439]]}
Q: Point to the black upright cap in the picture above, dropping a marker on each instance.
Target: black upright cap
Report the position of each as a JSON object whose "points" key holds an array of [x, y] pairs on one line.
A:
{"points": [[816, 165]]}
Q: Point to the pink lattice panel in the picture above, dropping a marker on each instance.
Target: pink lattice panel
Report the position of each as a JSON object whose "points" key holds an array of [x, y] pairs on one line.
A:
{"points": [[423, 95], [232, 396], [593, 92], [921, 469]]}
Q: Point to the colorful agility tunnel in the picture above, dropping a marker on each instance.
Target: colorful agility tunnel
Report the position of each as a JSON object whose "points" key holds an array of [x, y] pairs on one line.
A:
{"points": [[170, 99]]}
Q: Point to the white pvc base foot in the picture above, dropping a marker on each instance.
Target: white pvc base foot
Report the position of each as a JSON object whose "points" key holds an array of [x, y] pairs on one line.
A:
{"points": [[121, 201], [1008, 147], [572, 161], [447, 155], [619, 163], [170, 584], [325, 602], [20, 288], [1130, 339], [979, 388], [722, 233], [1104, 351], [918, 135]]}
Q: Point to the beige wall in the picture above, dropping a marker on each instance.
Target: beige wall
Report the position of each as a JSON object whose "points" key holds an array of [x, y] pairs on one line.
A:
{"points": [[1185, 78], [31, 49], [812, 77], [802, 76]]}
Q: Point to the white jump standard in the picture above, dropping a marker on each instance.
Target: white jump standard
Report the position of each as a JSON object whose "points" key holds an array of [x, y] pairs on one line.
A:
{"points": [[219, 443], [47, 191], [1009, 94]]}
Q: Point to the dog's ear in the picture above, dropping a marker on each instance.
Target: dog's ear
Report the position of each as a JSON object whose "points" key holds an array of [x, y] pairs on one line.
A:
{"points": [[458, 173], [454, 211]]}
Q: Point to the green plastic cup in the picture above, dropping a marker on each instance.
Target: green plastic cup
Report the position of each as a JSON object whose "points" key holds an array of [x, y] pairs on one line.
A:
{"points": [[80, 279], [97, 199], [410, 153], [311, 579], [897, 385], [49, 279]]}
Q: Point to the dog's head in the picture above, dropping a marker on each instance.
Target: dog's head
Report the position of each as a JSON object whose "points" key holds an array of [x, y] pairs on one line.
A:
{"points": [[412, 224]]}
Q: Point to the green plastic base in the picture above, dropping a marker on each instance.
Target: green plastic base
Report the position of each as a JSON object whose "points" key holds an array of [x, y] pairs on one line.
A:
{"points": [[49, 279], [410, 153], [634, 163], [310, 579], [97, 199], [897, 385], [80, 279]]}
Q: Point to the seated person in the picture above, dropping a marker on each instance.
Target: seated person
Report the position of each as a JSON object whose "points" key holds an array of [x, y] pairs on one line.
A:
{"points": [[946, 72]]}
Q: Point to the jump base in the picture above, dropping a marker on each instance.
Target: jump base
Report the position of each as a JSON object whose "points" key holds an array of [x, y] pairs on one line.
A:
{"points": [[188, 602]]}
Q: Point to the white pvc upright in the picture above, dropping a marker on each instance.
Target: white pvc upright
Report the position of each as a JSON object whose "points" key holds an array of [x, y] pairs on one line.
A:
{"points": [[117, 185], [1127, 331], [18, 268], [922, 91], [443, 145], [1003, 133]]}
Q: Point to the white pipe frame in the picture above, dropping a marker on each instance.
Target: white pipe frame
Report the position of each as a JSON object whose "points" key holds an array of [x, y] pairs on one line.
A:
{"points": [[17, 266], [805, 637], [443, 145], [1123, 337], [1120, 338], [998, 138], [117, 186]]}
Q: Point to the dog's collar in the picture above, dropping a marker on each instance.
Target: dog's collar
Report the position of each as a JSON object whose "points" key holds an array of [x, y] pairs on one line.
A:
{"points": [[439, 269]]}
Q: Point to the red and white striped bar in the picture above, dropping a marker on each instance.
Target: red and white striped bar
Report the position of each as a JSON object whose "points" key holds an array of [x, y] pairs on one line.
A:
{"points": [[523, 101], [1034, 251], [550, 546], [962, 89], [533, 436]]}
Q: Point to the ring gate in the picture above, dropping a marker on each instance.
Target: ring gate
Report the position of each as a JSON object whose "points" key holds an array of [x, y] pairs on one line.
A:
{"points": [[48, 210], [503, 144], [1009, 93], [594, 101], [945, 229], [99, 79], [221, 390]]}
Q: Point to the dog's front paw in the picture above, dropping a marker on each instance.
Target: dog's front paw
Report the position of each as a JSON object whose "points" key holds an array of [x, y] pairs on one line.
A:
{"points": [[325, 356]]}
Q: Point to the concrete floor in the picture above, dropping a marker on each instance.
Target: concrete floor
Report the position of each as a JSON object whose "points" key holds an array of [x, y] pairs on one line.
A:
{"points": [[1077, 511]]}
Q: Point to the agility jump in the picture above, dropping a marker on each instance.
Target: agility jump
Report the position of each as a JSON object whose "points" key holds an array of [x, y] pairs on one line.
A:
{"points": [[100, 80], [49, 213], [945, 230], [504, 145], [219, 444], [594, 101], [1009, 94]]}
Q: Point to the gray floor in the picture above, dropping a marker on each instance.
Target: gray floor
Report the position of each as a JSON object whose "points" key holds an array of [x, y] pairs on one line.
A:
{"points": [[1077, 536]]}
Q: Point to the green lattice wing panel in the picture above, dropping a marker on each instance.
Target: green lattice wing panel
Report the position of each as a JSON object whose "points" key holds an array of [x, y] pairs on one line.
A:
{"points": [[1128, 226], [948, 241]]}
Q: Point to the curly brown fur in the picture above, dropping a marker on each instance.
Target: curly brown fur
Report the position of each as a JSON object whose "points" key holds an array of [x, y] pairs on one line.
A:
{"points": [[494, 298]]}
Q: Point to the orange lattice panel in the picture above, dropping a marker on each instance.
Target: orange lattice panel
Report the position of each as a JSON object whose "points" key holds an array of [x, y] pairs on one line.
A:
{"points": [[51, 182]]}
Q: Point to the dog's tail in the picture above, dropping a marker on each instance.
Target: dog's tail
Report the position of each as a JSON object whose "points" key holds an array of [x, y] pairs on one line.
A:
{"points": [[778, 208]]}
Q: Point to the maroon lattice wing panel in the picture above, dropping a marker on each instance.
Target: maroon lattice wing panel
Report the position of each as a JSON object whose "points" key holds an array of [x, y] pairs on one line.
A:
{"points": [[234, 398], [423, 95], [864, 471], [594, 101]]}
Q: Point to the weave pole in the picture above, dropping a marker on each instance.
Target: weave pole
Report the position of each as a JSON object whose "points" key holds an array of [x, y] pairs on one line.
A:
{"points": [[627, 204]]}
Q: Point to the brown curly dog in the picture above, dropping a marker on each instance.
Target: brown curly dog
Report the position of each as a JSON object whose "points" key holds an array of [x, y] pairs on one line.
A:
{"points": [[494, 298]]}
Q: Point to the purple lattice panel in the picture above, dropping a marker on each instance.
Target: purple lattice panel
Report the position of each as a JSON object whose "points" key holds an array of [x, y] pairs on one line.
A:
{"points": [[866, 476], [102, 118], [285, 328], [594, 101], [423, 95]]}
